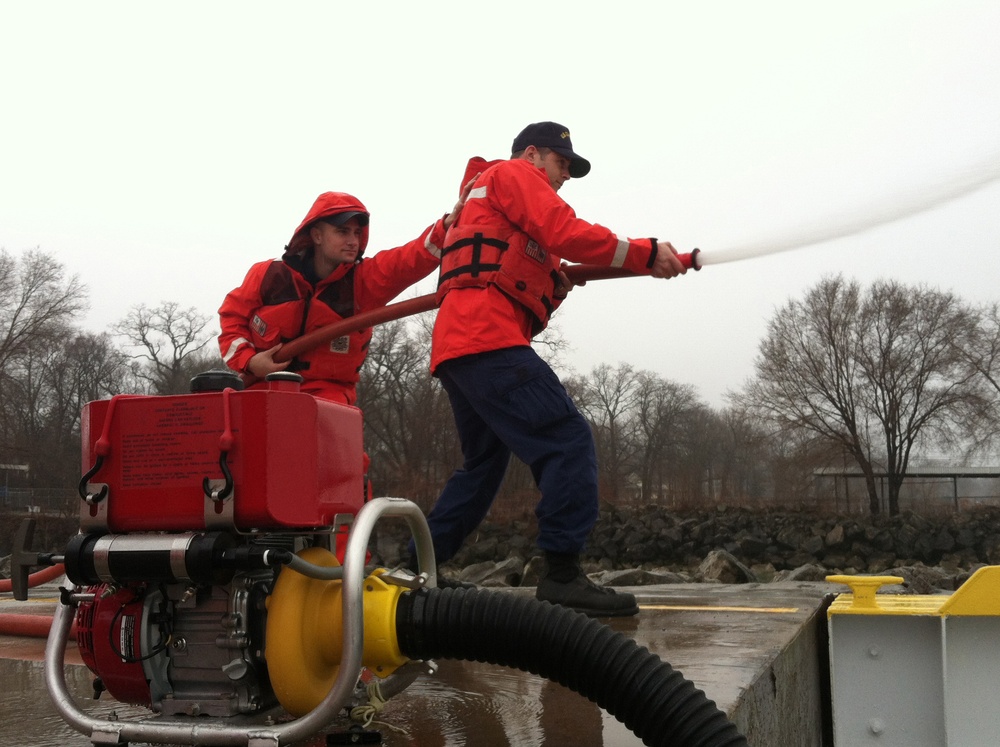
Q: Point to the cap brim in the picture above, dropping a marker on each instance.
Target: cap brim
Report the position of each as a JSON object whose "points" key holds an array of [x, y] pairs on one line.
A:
{"points": [[579, 166], [340, 219]]}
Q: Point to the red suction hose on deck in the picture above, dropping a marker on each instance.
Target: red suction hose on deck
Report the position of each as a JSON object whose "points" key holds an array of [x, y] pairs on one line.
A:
{"points": [[32, 626], [43, 576]]}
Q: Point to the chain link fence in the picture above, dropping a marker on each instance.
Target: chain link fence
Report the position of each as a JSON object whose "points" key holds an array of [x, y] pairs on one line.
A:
{"points": [[47, 501]]}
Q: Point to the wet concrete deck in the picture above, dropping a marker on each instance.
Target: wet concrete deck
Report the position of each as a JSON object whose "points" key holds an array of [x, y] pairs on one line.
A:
{"points": [[757, 650]]}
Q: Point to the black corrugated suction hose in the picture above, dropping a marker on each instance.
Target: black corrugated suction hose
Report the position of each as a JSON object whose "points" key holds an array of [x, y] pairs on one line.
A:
{"points": [[628, 681]]}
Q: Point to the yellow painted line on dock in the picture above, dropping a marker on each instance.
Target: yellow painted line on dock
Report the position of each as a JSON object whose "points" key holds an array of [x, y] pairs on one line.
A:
{"points": [[712, 608]]}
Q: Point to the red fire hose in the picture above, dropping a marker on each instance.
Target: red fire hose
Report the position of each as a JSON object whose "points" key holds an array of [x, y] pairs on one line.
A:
{"points": [[28, 626], [576, 273], [41, 577], [32, 626]]}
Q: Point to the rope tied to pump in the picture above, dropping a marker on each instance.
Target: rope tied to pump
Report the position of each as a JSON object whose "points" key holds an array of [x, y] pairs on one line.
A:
{"points": [[365, 713]]}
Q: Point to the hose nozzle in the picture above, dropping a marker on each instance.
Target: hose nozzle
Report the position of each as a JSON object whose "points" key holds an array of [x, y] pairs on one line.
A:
{"points": [[690, 259]]}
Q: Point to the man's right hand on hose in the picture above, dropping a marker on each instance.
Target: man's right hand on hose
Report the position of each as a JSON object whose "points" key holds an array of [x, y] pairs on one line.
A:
{"points": [[263, 363]]}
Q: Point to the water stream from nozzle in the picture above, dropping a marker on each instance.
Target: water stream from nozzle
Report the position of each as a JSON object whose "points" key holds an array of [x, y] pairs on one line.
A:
{"points": [[859, 221]]}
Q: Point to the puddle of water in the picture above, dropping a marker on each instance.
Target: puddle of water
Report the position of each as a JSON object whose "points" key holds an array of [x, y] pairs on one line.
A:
{"points": [[468, 703], [27, 713], [465, 703]]}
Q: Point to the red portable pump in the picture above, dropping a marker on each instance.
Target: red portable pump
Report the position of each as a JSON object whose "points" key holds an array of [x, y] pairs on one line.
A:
{"points": [[175, 491]]}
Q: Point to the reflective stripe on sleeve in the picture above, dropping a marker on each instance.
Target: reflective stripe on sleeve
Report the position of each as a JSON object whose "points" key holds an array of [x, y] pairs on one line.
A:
{"points": [[433, 248], [234, 346], [477, 194], [620, 254]]}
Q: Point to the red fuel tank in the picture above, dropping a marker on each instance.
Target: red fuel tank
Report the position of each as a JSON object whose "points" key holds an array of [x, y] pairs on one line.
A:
{"points": [[295, 461]]}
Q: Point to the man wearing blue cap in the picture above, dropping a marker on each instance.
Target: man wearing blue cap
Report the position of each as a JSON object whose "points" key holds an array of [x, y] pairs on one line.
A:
{"points": [[499, 283]]}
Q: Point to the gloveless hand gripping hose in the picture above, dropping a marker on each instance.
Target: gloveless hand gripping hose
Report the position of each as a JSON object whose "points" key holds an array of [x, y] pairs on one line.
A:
{"points": [[628, 681]]}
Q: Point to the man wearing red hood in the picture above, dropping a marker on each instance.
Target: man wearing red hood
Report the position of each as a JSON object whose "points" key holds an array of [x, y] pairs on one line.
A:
{"points": [[322, 278], [500, 281]]}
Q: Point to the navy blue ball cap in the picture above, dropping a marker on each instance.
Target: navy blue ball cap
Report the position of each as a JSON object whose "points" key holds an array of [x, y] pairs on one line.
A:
{"points": [[341, 218], [555, 137]]}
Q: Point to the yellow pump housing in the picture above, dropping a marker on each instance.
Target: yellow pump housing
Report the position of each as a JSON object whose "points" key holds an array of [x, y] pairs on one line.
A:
{"points": [[304, 634]]}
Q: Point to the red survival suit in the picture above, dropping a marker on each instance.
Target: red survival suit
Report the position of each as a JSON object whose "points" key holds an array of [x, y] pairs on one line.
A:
{"points": [[277, 303], [501, 260]]}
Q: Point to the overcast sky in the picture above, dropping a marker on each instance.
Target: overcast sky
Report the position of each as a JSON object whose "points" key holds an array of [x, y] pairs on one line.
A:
{"points": [[157, 150]]}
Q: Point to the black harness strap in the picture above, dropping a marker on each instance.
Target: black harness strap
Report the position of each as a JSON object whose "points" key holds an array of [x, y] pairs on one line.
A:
{"points": [[476, 265]]}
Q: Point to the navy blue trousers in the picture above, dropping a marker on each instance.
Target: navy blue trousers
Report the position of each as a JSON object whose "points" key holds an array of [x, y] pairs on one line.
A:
{"points": [[509, 401]]}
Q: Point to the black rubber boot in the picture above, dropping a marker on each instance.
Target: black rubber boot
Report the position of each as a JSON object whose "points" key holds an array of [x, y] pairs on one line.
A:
{"points": [[566, 584]]}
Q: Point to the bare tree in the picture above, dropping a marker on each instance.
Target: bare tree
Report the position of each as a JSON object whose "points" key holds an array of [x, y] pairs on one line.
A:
{"points": [[661, 409], [551, 345], [980, 348], [608, 402], [170, 343], [744, 457], [37, 300], [409, 431], [921, 387], [872, 373], [53, 384], [696, 453], [86, 367], [37, 303]]}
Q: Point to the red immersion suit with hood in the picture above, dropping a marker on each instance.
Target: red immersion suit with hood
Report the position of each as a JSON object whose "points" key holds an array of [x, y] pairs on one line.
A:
{"points": [[280, 300]]}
